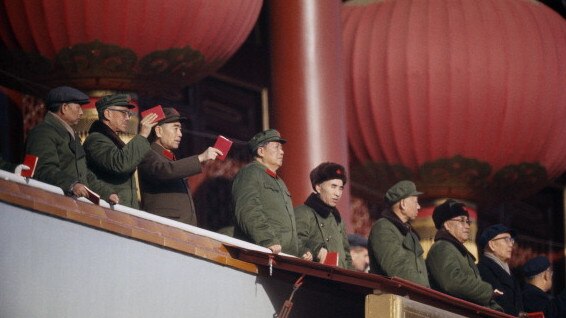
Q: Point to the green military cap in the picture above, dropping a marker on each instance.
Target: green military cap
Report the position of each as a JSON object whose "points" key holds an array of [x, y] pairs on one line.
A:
{"points": [[171, 116], [264, 136], [401, 190], [114, 100]]}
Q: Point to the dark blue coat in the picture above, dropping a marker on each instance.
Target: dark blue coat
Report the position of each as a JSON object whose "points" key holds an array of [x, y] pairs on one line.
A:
{"points": [[534, 299], [491, 272]]}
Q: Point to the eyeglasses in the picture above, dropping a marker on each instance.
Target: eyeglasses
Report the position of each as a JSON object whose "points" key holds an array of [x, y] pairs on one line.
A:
{"points": [[507, 239], [125, 112], [464, 220]]}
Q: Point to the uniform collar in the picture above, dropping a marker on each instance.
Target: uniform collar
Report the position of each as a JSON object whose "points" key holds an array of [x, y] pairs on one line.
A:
{"points": [[315, 202], [170, 155], [404, 228], [165, 152], [273, 174], [444, 235], [100, 127]]}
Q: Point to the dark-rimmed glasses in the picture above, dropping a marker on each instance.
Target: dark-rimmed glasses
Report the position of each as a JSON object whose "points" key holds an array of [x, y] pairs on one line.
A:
{"points": [[125, 112], [507, 239], [463, 220]]}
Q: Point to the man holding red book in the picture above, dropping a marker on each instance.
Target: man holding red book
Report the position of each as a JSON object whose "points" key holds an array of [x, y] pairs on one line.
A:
{"points": [[112, 160], [319, 225], [163, 179], [61, 156]]}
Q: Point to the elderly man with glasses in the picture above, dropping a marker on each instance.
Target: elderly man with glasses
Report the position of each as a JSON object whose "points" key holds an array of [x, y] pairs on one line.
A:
{"points": [[451, 266], [497, 243], [111, 159]]}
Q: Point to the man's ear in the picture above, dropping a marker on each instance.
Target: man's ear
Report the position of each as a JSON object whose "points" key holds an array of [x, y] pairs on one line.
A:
{"points": [[105, 114], [63, 108], [317, 188], [158, 131], [489, 246], [547, 275], [402, 204]]}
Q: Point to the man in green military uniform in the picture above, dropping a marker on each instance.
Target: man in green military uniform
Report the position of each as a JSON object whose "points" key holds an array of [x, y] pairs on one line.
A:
{"points": [[451, 266], [394, 248], [264, 211], [62, 160], [113, 161], [319, 225]]}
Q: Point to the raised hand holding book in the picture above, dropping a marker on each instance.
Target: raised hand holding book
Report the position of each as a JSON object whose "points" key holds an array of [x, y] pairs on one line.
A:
{"points": [[158, 110], [223, 144]]}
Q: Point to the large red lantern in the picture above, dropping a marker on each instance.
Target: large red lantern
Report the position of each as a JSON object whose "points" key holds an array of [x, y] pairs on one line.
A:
{"points": [[465, 97], [144, 46]]}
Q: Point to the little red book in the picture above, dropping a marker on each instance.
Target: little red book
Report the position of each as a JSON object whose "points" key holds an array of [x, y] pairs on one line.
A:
{"points": [[158, 110], [536, 314], [223, 144], [93, 196], [31, 162], [331, 259]]}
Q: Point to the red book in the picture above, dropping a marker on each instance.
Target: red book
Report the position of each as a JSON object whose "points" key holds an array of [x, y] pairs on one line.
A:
{"points": [[536, 314], [158, 110], [31, 162], [93, 196], [223, 144], [331, 259]]}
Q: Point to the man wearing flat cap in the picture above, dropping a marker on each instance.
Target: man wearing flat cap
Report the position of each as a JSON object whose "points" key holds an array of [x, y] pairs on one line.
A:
{"points": [[263, 206], [394, 248], [163, 179], [319, 225], [538, 275], [61, 157], [451, 266], [497, 243], [109, 158]]}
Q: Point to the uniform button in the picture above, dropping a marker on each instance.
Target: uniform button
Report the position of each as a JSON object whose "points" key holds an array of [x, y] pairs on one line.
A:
{"points": [[327, 239], [321, 225]]}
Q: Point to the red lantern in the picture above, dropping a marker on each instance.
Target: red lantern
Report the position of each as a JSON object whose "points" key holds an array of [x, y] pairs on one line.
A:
{"points": [[121, 44], [465, 97]]}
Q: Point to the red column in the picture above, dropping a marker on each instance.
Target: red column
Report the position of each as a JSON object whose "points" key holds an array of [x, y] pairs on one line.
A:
{"points": [[308, 103]]}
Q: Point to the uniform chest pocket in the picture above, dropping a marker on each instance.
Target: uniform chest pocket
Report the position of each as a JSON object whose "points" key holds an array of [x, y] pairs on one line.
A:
{"points": [[272, 187]]}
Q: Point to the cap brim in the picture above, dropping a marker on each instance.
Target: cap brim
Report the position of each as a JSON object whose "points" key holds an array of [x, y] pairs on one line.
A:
{"points": [[80, 102], [172, 120], [130, 106]]}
